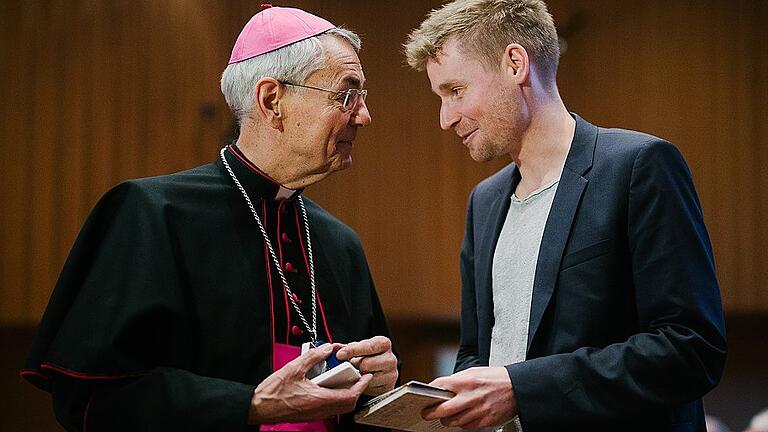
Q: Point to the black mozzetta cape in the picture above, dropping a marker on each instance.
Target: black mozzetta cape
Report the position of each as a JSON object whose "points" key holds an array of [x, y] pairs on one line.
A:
{"points": [[166, 310]]}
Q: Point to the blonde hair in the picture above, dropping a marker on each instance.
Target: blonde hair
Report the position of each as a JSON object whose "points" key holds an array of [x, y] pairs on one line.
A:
{"points": [[484, 28]]}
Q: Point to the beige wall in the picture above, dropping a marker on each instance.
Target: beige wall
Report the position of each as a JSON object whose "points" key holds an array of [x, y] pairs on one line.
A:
{"points": [[94, 92]]}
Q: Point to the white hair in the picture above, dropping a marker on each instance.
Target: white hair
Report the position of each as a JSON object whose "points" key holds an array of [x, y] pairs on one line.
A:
{"points": [[293, 63]]}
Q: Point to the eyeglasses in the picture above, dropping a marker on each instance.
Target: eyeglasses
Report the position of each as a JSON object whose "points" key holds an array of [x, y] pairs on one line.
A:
{"points": [[347, 98]]}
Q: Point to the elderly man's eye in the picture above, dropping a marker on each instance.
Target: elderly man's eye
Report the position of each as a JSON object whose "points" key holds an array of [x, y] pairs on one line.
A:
{"points": [[456, 91]]}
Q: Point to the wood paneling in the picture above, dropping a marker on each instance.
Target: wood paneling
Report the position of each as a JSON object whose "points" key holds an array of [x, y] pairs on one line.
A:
{"points": [[94, 92], [697, 75]]}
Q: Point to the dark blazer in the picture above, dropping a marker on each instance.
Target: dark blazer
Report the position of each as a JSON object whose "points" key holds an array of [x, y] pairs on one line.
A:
{"points": [[626, 326]]}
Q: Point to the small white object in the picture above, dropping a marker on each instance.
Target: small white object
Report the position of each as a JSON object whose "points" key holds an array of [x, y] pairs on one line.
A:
{"points": [[316, 369], [342, 376], [306, 346]]}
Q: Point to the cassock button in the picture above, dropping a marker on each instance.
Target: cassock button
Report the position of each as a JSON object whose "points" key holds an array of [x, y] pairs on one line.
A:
{"points": [[285, 238], [296, 298], [289, 267], [296, 331]]}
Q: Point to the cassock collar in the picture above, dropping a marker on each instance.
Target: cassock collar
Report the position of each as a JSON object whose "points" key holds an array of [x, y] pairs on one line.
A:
{"points": [[254, 180]]}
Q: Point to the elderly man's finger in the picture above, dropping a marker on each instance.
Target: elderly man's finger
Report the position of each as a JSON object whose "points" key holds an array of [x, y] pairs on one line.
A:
{"points": [[378, 363], [367, 347], [346, 398], [303, 363], [356, 362], [361, 385], [385, 381]]}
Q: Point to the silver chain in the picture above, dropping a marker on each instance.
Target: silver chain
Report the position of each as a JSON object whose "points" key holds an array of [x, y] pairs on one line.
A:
{"points": [[312, 330]]}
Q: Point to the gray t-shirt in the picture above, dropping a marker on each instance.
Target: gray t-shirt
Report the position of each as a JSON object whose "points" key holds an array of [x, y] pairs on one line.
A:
{"points": [[514, 268]]}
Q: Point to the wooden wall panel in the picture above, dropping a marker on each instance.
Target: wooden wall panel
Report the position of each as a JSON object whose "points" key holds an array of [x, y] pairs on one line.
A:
{"points": [[94, 92], [407, 190], [759, 112], [14, 189], [697, 77], [40, 157]]}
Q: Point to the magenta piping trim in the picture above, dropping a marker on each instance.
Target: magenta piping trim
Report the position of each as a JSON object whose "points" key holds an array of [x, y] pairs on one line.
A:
{"points": [[79, 375], [27, 372], [285, 293], [306, 263], [251, 165], [271, 298]]}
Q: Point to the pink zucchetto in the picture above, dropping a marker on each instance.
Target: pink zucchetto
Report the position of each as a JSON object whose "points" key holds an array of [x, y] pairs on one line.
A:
{"points": [[276, 27]]}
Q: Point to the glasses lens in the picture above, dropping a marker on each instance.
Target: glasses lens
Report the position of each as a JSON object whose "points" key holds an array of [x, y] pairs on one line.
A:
{"points": [[349, 100], [352, 96]]}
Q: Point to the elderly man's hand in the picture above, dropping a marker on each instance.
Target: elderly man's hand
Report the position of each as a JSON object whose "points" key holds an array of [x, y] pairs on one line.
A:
{"points": [[288, 396], [484, 397], [372, 356]]}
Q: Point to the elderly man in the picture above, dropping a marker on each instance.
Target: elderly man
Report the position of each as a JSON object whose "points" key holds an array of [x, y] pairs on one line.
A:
{"points": [[589, 297], [186, 298]]}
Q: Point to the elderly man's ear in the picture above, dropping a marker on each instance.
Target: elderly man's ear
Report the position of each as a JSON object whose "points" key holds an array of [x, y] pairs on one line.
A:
{"points": [[268, 93]]}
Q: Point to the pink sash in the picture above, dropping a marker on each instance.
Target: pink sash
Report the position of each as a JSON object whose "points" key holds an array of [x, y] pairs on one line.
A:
{"points": [[282, 354]]}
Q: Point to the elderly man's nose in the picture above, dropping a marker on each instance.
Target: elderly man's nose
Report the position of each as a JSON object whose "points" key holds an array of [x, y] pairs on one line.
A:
{"points": [[361, 116]]}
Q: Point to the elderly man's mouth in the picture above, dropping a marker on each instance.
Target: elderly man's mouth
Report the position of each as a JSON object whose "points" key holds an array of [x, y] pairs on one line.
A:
{"points": [[465, 138]]}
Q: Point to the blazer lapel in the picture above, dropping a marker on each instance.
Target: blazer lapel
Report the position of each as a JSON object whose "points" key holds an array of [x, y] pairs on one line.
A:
{"points": [[558, 227]]}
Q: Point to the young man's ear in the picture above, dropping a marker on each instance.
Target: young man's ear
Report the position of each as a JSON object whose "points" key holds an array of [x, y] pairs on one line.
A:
{"points": [[516, 63], [267, 94]]}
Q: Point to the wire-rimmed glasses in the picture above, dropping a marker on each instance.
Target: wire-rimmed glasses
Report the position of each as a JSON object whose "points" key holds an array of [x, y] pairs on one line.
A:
{"points": [[347, 98]]}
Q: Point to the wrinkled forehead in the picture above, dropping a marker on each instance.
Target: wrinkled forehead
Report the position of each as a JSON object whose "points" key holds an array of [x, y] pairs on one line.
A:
{"points": [[342, 64]]}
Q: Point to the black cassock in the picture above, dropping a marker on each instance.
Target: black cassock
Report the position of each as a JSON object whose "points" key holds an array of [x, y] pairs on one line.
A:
{"points": [[167, 308]]}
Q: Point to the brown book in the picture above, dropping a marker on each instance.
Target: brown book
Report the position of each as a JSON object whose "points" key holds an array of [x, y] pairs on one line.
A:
{"points": [[401, 408]]}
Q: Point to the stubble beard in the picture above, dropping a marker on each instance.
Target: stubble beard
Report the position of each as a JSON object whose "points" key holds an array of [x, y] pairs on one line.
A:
{"points": [[491, 142], [485, 151], [505, 122]]}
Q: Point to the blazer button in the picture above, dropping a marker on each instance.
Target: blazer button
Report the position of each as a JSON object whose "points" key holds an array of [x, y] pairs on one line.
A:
{"points": [[296, 331], [285, 238], [289, 267]]}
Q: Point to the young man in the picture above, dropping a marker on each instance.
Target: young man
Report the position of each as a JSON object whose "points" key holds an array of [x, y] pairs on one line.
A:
{"points": [[589, 297]]}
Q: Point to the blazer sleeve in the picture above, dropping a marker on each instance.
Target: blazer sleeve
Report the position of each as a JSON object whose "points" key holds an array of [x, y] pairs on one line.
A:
{"points": [[468, 355], [679, 349]]}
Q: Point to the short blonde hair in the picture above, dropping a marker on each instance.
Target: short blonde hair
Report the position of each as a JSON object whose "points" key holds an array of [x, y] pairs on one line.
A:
{"points": [[484, 28]]}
